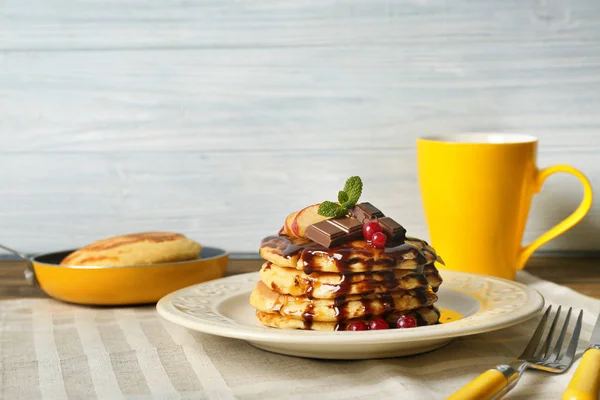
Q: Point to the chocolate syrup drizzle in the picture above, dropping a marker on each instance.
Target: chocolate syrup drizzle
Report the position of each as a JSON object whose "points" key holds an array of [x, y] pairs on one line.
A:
{"points": [[308, 316], [344, 256]]}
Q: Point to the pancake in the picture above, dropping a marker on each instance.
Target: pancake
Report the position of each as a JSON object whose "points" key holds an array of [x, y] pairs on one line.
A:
{"points": [[433, 276], [136, 249], [326, 285], [341, 308], [424, 316], [350, 257]]}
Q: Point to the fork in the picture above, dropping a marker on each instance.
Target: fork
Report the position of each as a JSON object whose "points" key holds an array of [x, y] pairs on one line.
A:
{"points": [[496, 382]]}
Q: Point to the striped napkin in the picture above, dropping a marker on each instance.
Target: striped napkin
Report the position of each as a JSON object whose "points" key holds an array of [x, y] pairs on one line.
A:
{"points": [[52, 350]]}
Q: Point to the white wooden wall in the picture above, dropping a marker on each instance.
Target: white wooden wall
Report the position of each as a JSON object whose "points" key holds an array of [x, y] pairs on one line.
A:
{"points": [[216, 118]]}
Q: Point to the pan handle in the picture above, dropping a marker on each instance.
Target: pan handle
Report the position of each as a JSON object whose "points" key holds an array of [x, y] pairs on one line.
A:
{"points": [[29, 274]]}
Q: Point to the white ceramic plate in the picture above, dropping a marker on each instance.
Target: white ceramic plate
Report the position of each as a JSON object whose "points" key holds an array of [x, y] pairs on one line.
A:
{"points": [[221, 308]]}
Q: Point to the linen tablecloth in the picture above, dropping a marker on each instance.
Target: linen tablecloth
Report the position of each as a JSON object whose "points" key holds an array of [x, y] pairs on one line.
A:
{"points": [[52, 350]]}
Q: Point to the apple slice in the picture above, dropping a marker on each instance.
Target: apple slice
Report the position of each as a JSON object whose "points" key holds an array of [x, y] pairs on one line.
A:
{"points": [[307, 216], [287, 226]]}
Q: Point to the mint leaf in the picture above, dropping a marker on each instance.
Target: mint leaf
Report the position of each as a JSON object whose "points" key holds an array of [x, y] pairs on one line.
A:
{"points": [[331, 209], [342, 197], [348, 205], [353, 189], [347, 199]]}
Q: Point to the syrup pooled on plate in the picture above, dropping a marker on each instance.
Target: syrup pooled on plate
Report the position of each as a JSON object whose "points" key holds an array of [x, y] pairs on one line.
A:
{"points": [[447, 315]]}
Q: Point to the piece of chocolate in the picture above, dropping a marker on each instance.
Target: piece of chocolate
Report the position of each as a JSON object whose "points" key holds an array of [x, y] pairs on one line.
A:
{"points": [[392, 229], [365, 212], [332, 232]]}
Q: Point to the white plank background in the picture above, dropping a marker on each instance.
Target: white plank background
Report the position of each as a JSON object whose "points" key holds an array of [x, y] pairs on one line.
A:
{"points": [[217, 118]]}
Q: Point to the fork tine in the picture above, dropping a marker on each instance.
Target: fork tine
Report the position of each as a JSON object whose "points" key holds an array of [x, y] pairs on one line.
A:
{"points": [[561, 338], [567, 358], [535, 339], [546, 346], [570, 352]]}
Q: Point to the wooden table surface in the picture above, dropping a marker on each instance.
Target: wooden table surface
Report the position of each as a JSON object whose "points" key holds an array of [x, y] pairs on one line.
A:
{"points": [[579, 273]]}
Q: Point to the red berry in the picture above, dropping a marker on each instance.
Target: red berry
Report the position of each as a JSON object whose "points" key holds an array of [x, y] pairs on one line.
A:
{"points": [[358, 326], [379, 239], [370, 228], [406, 321], [378, 323]]}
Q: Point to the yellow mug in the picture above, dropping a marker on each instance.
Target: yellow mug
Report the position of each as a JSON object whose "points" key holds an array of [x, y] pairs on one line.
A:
{"points": [[476, 190]]}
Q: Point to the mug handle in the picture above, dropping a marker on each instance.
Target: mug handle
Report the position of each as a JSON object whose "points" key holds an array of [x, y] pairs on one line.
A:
{"points": [[568, 222]]}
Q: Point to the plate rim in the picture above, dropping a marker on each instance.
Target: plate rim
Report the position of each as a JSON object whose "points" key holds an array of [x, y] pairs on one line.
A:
{"points": [[166, 309]]}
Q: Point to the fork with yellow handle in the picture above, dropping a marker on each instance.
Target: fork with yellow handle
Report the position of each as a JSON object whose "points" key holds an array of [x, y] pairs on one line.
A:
{"points": [[496, 382], [584, 384]]}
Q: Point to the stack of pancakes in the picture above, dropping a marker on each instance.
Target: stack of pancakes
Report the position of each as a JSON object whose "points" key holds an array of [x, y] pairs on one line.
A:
{"points": [[304, 285]]}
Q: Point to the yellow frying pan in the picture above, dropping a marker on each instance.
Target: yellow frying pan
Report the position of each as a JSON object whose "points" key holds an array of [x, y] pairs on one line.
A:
{"points": [[136, 284]]}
